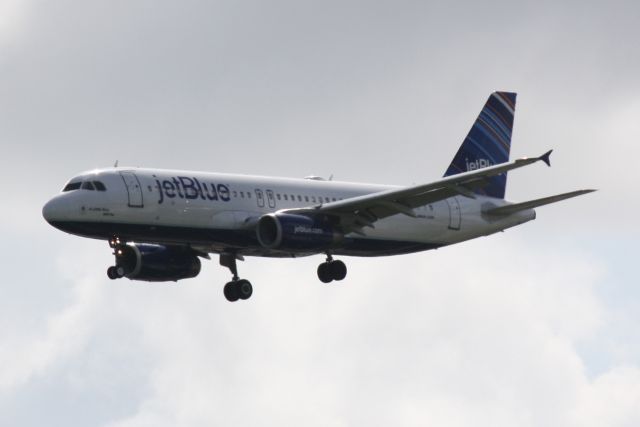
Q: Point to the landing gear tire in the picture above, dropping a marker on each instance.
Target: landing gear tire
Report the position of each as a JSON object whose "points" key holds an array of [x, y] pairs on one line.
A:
{"points": [[112, 273], [238, 289], [332, 270], [324, 272], [338, 270], [231, 292], [245, 290]]}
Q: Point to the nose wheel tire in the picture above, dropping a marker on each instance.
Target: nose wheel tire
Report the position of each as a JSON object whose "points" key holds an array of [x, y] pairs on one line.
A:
{"points": [[114, 272], [332, 270], [238, 289]]}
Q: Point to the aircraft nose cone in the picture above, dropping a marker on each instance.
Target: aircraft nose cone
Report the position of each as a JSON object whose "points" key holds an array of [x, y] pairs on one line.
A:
{"points": [[48, 211], [53, 210]]}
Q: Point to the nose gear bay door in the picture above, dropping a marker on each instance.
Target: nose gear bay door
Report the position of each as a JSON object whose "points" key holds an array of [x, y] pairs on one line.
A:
{"points": [[134, 190]]}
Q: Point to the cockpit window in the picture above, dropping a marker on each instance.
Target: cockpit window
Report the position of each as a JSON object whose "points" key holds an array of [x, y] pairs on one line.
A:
{"points": [[87, 185], [72, 186]]}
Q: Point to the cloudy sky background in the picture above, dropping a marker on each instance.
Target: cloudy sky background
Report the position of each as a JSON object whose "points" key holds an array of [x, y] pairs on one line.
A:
{"points": [[534, 327]]}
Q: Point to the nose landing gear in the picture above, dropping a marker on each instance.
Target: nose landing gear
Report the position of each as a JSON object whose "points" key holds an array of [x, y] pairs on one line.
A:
{"points": [[116, 271], [237, 288], [331, 270]]}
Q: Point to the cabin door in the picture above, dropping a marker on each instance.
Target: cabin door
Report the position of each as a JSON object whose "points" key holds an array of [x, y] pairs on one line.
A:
{"points": [[134, 190]]}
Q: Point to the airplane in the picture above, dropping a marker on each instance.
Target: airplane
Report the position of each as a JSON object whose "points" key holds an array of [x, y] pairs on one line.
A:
{"points": [[159, 223]]}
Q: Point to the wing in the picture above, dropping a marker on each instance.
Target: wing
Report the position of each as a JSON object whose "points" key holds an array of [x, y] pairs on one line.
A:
{"points": [[355, 213]]}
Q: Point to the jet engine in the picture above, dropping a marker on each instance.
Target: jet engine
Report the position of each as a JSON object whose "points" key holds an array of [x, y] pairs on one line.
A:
{"points": [[295, 232], [154, 263]]}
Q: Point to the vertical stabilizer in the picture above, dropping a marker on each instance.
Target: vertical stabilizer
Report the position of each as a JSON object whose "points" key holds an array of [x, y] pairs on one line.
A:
{"points": [[488, 142]]}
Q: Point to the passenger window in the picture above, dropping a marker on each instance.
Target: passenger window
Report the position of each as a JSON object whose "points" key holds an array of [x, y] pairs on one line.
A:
{"points": [[326, 199], [278, 196], [299, 198], [248, 194], [72, 186], [87, 185], [286, 197], [242, 194], [333, 199], [235, 194], [313, 199], [100, 186], [306, 198]]}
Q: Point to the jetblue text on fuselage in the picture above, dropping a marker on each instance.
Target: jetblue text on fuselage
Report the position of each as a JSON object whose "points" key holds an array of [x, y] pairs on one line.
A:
{"points": [[190, 188]]}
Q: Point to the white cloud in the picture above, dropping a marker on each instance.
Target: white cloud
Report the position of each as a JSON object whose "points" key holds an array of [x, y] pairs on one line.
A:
{"points": [[408, 340], [611, 399], [24, 356]]}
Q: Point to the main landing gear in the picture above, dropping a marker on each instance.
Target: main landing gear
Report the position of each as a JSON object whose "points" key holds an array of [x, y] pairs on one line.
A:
{"points": [[331, 270], [237, 288]]}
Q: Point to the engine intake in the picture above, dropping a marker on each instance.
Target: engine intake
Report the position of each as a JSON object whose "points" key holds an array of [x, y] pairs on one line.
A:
{"points": [[295, 232], [157, 263]]}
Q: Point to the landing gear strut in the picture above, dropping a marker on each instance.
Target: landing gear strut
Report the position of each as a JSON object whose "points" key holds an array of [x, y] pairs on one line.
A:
{"points": [[115, 272], [237, 288], [331, 270]]}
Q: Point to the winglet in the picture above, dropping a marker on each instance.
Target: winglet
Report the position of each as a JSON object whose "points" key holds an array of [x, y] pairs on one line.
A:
{"points": [[546, 157]]}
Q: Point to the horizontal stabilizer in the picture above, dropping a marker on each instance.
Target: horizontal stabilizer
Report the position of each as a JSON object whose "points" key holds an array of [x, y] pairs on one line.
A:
{"points": [[517, 207]]}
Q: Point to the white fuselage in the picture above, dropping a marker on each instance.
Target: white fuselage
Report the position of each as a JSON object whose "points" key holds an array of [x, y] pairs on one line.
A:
{"points": [[219, 212]]}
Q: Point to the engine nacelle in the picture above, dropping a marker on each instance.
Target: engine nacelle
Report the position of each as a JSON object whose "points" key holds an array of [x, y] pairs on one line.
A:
{"points": [[156, 263], [295, 232]]}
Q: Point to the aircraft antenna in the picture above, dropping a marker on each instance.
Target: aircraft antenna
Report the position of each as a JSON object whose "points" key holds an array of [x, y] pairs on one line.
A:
{"points": [[115, 165]]}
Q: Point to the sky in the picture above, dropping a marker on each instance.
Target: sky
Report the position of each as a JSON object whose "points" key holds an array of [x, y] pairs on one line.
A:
{"points": [[537, 326]]}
